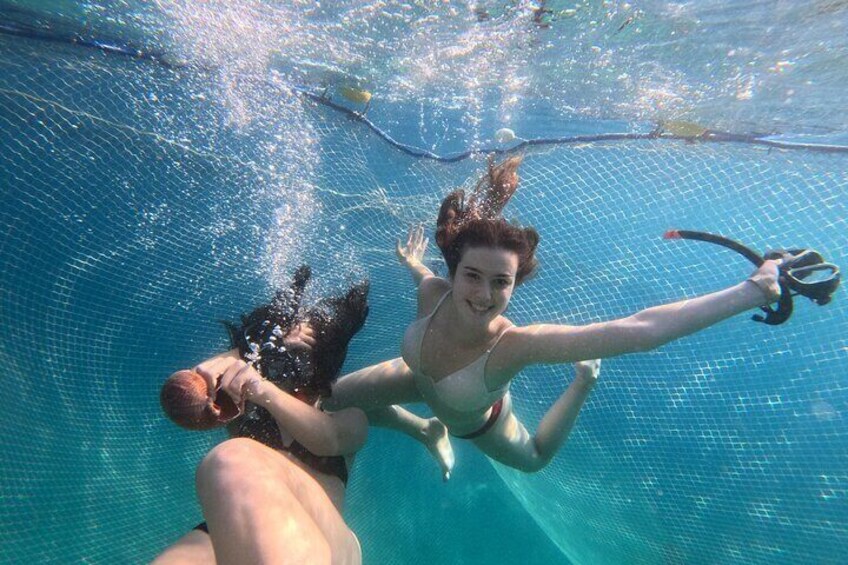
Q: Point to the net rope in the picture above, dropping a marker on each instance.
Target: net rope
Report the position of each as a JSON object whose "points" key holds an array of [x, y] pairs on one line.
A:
{"points": [[135, 218]]}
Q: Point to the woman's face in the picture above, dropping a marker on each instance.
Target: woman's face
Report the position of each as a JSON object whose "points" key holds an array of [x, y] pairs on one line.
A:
{"points": [[483, 283]]}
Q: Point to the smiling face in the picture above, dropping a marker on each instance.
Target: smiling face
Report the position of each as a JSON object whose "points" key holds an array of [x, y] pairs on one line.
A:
{"points": [[483, 283]]}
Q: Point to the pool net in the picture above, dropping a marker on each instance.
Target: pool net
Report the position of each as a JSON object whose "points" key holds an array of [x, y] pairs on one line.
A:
{"points": [[136, 214]]}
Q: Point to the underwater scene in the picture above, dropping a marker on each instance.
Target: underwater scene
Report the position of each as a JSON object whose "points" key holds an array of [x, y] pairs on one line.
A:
{"points": [[166, 166]]}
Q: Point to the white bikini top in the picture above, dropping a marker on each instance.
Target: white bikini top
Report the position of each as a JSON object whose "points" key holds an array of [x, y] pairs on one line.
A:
{"points": [[462, 392]]}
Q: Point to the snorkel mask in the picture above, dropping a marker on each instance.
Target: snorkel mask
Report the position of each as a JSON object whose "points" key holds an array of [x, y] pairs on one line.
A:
{"points": [[803, 272]]}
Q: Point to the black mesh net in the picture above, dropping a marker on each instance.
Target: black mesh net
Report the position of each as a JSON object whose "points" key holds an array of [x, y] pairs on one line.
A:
{"points": [[135, 217]]}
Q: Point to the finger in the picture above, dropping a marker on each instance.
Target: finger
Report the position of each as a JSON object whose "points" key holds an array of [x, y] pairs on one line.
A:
{"points": [[308, 340], [211, 371], [228, 380], [245, 376], [224, 381], [205, 366], [308, 336], [207, 371], [214, 365], [237, 387], [211, 383], [399, 250]]}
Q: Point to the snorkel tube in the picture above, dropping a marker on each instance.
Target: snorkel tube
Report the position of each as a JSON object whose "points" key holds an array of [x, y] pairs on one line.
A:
{"points": [[795, 266]]}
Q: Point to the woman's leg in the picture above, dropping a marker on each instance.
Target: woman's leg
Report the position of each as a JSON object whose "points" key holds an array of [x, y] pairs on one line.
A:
{"points": [[376, 390], [429, 431], [509, 441], [194, 548], [262, 508], [377, 386]]}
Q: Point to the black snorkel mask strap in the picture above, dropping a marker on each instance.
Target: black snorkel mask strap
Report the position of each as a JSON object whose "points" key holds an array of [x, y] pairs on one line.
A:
{"points": [[796, 266]]}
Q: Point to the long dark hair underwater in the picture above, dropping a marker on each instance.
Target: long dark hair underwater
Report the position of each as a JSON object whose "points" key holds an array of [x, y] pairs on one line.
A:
{"points": [[259, 339]]}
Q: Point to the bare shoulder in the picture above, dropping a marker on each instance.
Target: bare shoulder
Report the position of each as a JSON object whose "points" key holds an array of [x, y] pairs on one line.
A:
{"points": [[532, 330], [509, 356], [430, 291], [515, 335]]}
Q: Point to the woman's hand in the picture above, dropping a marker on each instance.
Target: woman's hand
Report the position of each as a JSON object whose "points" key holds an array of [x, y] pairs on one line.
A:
{"points": [[300, 339], [412, 253], [212, 368], [241, 381], [235, 377], [766, 277]]}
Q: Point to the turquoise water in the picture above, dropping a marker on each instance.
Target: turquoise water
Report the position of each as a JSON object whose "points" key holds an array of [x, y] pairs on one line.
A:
{"points": [[143, 202]]}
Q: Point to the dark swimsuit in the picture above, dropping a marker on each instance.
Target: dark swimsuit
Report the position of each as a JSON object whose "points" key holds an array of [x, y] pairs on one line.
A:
{"points": [[258, 424]]}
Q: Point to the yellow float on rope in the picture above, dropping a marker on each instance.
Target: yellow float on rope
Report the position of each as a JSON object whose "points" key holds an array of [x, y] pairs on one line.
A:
{"points": [[355, 94], [685, 130]]}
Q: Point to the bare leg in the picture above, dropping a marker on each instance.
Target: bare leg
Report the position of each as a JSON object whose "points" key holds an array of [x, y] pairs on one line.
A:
{"points": [[431, 432], [509, 441], [377, 386], [376, 389], [194, 548], [262, 508]]}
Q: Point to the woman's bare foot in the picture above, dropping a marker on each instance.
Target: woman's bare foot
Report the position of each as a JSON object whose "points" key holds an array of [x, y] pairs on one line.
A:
{"points": [[437, 440], [587, 371]]}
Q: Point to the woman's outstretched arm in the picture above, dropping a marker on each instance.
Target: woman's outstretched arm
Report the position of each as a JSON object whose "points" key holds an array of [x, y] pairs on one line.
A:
{"points": [[643, 331]]}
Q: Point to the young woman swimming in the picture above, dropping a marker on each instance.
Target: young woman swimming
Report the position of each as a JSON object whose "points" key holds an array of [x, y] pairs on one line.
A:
{"points": [[462, 353]]}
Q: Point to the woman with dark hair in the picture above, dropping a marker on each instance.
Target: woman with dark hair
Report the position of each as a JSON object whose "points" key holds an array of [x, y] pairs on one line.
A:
{"points": [[274, 504], [462, 353], [275, 494]]}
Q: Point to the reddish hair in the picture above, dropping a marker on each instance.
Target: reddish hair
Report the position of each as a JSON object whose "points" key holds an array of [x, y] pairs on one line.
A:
{"points": [[186, 401], [496, 234], [477, 221]]}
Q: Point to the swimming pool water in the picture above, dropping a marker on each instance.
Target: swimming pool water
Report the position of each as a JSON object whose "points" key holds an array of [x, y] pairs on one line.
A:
{"points": [[143, 203]]}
